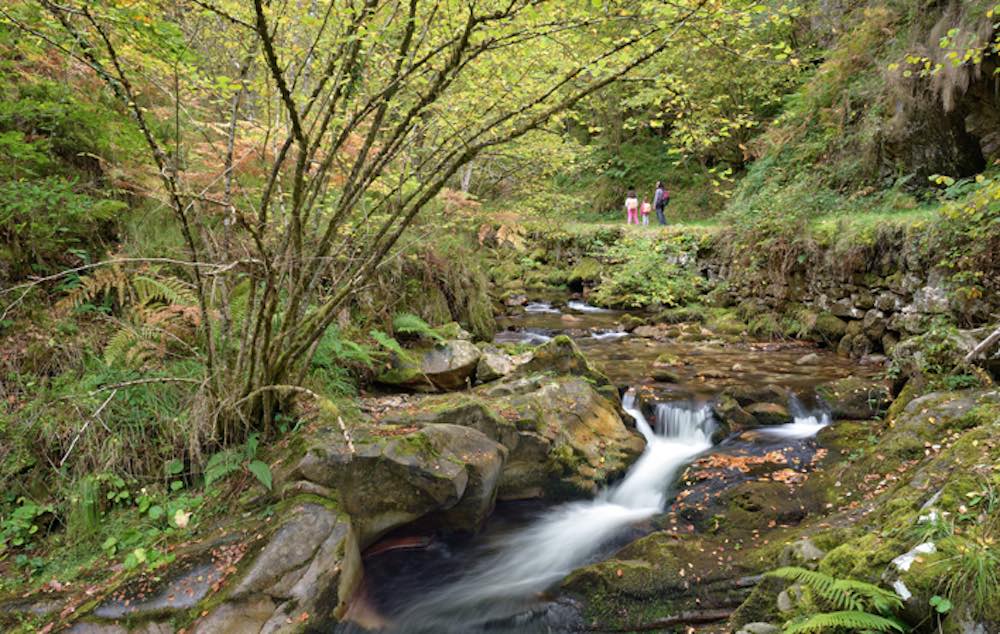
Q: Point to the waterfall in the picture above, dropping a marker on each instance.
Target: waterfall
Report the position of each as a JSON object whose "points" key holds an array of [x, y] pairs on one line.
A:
{"points": [[568, 536], [805, 423]]}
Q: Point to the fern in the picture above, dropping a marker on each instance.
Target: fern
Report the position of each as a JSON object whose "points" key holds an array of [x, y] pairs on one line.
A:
{"points": [[410, 324], [844, 594], [170, 290], [851, 620], [391, 345]]}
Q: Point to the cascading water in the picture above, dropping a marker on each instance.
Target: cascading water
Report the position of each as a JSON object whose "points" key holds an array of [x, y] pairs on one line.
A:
{"points": [[805, 424], [527, 562]]}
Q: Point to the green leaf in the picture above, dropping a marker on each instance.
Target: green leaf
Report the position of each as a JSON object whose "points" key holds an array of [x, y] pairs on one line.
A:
{"points": [[262, 472], [155, 512], [175, 466]]}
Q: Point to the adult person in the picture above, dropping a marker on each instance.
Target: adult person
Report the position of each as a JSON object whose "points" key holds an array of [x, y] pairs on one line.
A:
{"points": [[631, 207], [660, 200]]}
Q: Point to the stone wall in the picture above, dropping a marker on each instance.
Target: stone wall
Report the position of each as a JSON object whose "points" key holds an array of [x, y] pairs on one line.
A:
{"points": [[862, 304]]}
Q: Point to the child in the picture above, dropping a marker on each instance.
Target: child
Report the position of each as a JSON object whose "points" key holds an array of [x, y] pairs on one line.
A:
{"points": [[644, 210], [632, 207]]}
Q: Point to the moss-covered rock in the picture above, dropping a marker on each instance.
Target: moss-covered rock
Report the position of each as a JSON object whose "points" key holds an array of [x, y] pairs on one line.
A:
{"points": [[587, 271], [389, 478], [829, 328], [769, 413], [560, 357], [856, 398], [447, 365]]}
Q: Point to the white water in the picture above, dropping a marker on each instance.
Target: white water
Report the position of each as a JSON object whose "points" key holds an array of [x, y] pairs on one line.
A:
{"points": [[804, 424], [583, 307], [567, 536], [541, 307], [604, 336]]}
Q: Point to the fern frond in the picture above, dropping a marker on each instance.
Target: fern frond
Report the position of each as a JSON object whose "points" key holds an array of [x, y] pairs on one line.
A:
{"points": [[844, 620], [410, 324], [118, 346], [391, 345], [104, 281], [170, 290]]}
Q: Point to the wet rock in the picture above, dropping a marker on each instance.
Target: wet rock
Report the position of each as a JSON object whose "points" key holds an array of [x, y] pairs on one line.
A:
{"points": [[570, 441], [630, 322], [391, 480], [493, 364], [668, 360], [729, 413], [855, 398], [749, 394], [516, 299], [808, 359], [769, 413], [445, 366], [665, 375], [648, 332]]}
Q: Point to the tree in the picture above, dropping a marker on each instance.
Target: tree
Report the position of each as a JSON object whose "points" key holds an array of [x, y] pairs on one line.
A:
{"points": [[294, 177]]}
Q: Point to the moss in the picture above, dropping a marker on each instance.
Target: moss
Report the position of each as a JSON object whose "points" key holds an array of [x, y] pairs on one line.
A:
{"points": [[586, 271], [682, 314], [724, 321], [829, 328]]}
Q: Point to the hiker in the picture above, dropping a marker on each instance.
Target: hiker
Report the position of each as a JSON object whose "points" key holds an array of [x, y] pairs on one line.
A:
{"points": [[660, 200], [632, 207], [644, 211]]}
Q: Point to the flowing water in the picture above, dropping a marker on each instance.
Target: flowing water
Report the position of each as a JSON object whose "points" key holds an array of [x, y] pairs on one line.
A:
{"points": [[506, 578], [497, 580]]}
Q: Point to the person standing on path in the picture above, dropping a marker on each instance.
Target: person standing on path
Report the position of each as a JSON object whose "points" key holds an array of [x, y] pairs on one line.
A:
{"points": [[644, 211], [660, 200], [631, 207]]}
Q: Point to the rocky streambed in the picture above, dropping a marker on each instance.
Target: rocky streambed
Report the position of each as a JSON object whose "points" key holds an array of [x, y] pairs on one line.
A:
{"points": [[585, 471]]}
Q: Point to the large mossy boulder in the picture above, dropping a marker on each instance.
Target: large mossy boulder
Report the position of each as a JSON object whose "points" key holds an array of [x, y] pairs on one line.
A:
{"points": [[395, 475], [769, 413], [447, 365], [561, 357], [856, 398], [570, 441]]}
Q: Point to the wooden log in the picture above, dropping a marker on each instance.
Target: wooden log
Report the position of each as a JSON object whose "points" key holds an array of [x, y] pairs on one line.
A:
{"points": [[983, 346]]}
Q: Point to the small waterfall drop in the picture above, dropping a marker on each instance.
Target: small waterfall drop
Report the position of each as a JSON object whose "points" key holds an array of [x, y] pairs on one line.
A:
{"points": [[568, 536], [805, 423], [583, 307], [541, 307]]}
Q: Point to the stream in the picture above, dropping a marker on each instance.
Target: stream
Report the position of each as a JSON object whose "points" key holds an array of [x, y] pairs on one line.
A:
{"points": [[497, 580]]}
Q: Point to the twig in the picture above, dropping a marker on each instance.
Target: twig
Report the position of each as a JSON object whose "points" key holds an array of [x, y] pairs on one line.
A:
{"points": [[93, 416], [691, 617]]}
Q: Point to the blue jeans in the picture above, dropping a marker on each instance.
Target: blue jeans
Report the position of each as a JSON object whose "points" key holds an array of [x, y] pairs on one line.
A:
{"points": [[660, 217]]}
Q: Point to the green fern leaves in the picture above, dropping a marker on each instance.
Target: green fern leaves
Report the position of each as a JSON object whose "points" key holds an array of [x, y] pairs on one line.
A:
{"points": [[410, 324], [849, 620], [860, 606]]}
